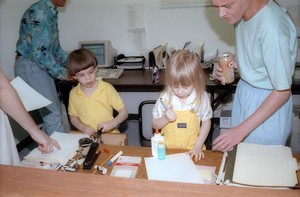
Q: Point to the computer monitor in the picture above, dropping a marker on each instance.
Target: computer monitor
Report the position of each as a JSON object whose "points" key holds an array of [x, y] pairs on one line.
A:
{"points": [[103, 51]]}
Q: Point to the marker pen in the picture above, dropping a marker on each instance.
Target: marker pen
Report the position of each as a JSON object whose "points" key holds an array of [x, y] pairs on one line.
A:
{"points": [[114, 158]]}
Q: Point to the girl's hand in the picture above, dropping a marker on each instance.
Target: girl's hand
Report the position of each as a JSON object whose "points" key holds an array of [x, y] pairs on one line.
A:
{"points": [[170, 115], [198, 154]]}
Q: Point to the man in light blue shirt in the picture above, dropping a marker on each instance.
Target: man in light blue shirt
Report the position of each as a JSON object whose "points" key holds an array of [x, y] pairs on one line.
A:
{"points": [[40, 57], [266, 45]]}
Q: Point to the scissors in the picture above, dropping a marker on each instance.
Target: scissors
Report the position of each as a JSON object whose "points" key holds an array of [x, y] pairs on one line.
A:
{"points": [[98, 137]]}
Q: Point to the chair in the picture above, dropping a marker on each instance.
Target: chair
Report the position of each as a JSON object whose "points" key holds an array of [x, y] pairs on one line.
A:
{"points": [[145, 121]]}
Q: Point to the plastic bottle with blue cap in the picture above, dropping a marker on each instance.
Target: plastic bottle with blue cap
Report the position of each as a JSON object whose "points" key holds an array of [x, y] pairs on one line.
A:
{"points": [[154, 142]]}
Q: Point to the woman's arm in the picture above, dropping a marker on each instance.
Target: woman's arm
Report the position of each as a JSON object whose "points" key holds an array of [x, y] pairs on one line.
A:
{"points": [[12, 105]]}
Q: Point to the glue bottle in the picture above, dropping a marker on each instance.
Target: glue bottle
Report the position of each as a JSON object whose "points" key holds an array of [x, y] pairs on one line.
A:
{"points": [[154, 142], [161, 151]]}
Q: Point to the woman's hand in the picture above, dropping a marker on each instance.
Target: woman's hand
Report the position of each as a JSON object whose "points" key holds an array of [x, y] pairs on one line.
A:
{"points": [[46, 144]]}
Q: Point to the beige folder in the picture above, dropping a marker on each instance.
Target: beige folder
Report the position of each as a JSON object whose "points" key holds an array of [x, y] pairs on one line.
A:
{"points": [[264, 165]]}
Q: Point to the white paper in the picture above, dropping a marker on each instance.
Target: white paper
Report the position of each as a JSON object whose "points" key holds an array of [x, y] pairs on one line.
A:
{"points": [[30, 98], [175, 168], [113, 73], [137, 39], [136, 15], [68, 143], [136, 28], [206, 173], [123, 173]]}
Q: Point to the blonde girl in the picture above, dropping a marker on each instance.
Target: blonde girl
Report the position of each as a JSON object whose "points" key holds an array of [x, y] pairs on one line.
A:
{"points": [[184, 105]]}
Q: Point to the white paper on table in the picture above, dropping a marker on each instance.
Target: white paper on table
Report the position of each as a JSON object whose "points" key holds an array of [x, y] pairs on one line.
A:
{"points": [[30, 98], [123, 173], [175, 168], [68, 143], [206, 173]]}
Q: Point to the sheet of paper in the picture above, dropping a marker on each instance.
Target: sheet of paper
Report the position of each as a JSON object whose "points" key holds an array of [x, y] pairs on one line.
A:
{"points": [[68, 143], [113, 73], [136, 29], [175, 168], [206, 173], [123, 173], [136, 15], [30, 98]]}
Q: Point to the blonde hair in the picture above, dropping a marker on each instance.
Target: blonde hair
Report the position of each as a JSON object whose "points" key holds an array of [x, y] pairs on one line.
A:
{"points": [[79, 60], [184, 68]]}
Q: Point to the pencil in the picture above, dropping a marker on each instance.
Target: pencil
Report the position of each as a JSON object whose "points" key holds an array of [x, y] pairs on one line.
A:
{"points": [[163, 103], [106, 160]]}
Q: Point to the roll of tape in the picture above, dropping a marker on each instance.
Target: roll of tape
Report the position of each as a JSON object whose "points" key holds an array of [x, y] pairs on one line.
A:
{"points": [[84, 141]]}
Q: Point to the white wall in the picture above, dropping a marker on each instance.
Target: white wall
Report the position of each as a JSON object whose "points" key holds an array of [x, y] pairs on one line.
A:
{"points": [[108, 19]]}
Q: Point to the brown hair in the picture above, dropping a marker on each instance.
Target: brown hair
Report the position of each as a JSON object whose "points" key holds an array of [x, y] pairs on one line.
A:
{"points": [[184, 68], [79, 60]]}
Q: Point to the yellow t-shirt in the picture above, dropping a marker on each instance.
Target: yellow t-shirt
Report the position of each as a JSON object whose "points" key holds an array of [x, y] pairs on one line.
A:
{"points": [[96, 108]]}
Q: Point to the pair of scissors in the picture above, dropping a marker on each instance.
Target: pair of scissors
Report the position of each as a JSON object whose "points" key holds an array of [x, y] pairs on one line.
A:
{"points": [[98, 137]]}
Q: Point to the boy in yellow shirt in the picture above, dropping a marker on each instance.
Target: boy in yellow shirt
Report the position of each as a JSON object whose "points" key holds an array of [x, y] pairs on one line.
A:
{"points": [[92, 101]]}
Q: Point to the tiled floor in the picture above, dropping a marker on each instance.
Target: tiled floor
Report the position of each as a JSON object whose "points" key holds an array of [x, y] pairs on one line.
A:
{"points": [[132, 132]]}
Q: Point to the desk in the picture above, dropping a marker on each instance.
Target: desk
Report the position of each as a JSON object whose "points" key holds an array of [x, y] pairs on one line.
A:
{"points": [[140, 81], [19, 181], [135, 82]]}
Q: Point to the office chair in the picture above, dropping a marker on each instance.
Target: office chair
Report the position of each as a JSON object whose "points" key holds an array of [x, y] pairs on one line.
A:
{"points": [[145, 122]]}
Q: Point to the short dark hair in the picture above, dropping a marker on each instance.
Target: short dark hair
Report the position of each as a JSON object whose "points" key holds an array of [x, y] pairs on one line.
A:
{"points": [[79, 60]]}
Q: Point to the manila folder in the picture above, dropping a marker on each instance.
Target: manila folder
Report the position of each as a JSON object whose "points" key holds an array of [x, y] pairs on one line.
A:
{"points": [[265, 165]]}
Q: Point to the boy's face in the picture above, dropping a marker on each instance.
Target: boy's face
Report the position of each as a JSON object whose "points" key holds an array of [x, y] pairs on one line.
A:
{"points": [[87, 77]]}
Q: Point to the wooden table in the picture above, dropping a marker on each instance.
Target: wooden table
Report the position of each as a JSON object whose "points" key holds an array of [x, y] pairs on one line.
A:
{"points": [[20, 181], [211, 158]]}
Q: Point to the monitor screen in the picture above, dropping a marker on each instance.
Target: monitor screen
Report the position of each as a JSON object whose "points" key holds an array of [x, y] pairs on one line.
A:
{"points": [[103, 51]]}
